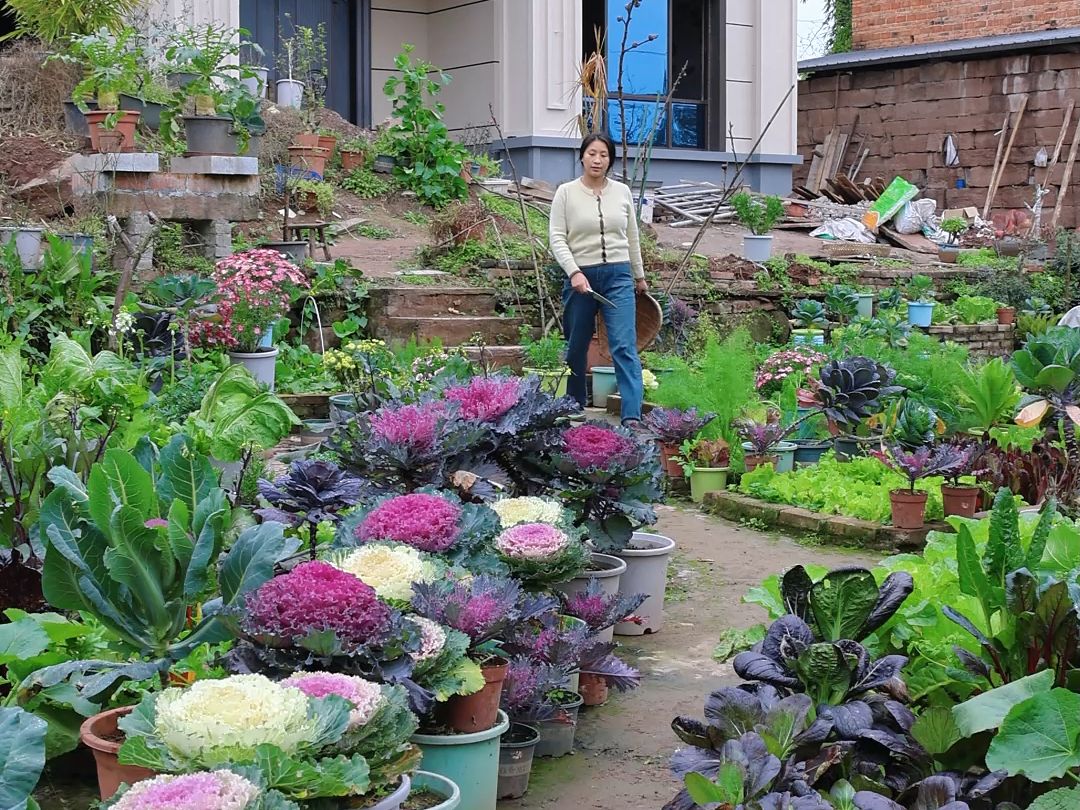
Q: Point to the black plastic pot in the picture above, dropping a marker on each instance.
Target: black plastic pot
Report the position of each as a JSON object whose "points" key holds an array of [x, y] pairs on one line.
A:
{"points": [[295, 251], [149, 111], [74, 119], [178, 81], [210, 135], [848, 447], [516, 748]]}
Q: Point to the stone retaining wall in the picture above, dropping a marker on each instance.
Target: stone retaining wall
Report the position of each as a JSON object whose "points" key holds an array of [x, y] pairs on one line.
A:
{"points": [[981, 339]]}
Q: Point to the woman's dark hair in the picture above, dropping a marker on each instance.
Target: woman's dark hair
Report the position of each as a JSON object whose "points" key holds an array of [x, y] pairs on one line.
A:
{"points": [[602, 138]]}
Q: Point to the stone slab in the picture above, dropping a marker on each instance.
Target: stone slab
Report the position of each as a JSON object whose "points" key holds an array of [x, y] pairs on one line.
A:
{"points": [[119, 162], [215, 164]]}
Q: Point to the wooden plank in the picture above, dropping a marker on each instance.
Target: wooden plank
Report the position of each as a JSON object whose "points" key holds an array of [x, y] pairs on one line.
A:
{"points": [[804, 192], [914, 242], [858, 166], [1063, 190], [1061, 136], [995, 180], [997, 162], [817, 165]]}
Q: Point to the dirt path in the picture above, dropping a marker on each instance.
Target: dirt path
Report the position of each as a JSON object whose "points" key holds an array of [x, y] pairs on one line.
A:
{"points": [[622, 749]]}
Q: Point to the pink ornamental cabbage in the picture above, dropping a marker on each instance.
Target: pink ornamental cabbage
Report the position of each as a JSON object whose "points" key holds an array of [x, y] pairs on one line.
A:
{"points": [[220, 790], [365, 696], [413, 427], [315, 597], [485, 399], [595, 446], [533, 541], [425, 522]]}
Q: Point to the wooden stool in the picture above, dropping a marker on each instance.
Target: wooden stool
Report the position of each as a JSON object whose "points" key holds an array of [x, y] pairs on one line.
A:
{"points": [[316, 234]]}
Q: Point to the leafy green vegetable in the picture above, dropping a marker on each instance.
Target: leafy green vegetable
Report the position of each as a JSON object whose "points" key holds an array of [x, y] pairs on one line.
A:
{"points": [[988, 710], [22, 756], [1040, 737]]}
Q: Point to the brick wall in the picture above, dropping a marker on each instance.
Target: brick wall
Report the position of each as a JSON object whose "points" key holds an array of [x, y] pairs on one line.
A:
{"points": [[905, 113], [890, 24], [981, 339]]}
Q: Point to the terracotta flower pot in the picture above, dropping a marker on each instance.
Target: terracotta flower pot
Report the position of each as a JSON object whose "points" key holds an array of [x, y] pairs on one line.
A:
{"points": [[101, 735], [908, 508], [311, 158], [307, 139], [479, 711], [668, 453], [593, 689], [125, 126], [753, 462], [329, 143], [1006, 315], [351, 161], [961, 501]]}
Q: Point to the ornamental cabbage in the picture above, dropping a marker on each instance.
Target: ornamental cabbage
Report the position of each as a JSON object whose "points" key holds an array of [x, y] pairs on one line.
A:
{"points": [[365, 697], [219, 790], [391, 569], [512, 511], [216, 722], [426, 522], [532, 541]]}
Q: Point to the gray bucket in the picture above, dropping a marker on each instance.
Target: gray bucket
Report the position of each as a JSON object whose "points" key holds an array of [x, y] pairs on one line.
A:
{"points": [[149, 111], [608, 571], [557, 737], [646, 560], [210, 135], [516, 749], [296, 252]]}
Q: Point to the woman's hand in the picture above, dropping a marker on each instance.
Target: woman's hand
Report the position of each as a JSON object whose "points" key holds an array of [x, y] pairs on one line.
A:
{"points": [[641, 287], [580, 284]]}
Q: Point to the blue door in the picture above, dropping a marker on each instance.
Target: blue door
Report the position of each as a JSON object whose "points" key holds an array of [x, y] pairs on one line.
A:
{"points": [[346, 77]]}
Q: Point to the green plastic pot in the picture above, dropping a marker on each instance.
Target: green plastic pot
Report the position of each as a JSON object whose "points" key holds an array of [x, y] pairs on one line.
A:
{"points": [[552, 381], [707, 479], [439, 785], [471, 761], [603, 385]]}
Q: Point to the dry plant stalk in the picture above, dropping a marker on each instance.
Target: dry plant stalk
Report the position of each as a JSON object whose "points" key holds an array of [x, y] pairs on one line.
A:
{"points": [[32, 91], [592, 78]]}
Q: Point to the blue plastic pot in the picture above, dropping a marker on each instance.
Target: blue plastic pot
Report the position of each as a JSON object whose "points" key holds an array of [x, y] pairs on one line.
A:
{"points": [[810, 451], [920, 313], [603, 385], [439, 785], [471, 761], [785, 456], [808, 337], [866, 305]]}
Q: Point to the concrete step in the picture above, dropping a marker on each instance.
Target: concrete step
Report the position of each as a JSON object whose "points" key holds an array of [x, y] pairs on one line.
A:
{"points": [[424, 302], [452, 331]]}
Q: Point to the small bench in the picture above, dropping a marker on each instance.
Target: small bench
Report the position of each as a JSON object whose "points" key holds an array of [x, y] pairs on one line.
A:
{"points": [[316, 234]]}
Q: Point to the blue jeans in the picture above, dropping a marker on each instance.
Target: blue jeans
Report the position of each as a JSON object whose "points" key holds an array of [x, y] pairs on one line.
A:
{"points": [[616, 283]]}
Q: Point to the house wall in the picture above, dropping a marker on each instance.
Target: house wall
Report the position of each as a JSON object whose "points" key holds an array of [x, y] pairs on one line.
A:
{"points": [[461, 38], [905, 113], [889, 24], [195, 12]]}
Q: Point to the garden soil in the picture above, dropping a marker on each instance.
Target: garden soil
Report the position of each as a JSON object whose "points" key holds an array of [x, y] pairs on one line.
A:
{"points": [[622, 749]]}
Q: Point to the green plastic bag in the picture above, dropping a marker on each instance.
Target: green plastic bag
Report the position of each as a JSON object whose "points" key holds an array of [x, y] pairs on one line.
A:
{"points": [[888, 205]]}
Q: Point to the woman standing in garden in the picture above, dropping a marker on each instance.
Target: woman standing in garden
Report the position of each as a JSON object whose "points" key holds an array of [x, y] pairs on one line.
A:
{"points": [[594, 237]]}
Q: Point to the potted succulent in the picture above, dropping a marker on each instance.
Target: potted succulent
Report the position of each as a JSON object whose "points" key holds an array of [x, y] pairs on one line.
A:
{"points": [[810, 319], [920, 297], [314, 196], [759, 216], [254, 290], [953, 227], [909, 505], [546, 358], [763, 444], [706, 462], [113, 64], [673, 426]]}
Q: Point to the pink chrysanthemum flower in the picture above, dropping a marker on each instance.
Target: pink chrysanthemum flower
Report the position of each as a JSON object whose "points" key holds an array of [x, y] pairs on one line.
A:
{"points": [[425, 522], [595, 446], [485, 398], [411, 426], [365, 696], [315, 596], [532, 541], [220, 790]]}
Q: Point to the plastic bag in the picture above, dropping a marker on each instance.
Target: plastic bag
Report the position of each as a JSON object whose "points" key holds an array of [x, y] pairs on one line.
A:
{"points": [[847, 229], [914, 215], [888, 205]]}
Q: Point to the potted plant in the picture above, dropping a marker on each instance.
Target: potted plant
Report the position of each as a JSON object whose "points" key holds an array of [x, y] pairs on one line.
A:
{"points": [[314, 195], [673, 426], [908, 505], [762, 444], [1006, 315], [254, 290], [354, 153], [920, 297], [517, 747], [957, 498], [294, 64], [953, 227], [431, 791], [810, 320], [545, 357], [112, 65], [706, 462], [253, 75], [865, 308], [842, 302], [601, 611], [759, 216]]}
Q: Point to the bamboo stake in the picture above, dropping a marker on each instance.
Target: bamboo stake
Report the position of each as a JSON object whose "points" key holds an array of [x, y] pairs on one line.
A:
{"points": [[1065, 179], [1005, 158], [997, 160], [1063, 133]]}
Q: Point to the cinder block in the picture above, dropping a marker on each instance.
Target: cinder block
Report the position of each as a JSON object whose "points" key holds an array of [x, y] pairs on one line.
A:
{"points": [[120, 162], [215, 164]]}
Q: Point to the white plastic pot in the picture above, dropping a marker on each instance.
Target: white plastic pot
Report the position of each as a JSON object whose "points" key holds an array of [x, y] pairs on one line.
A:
{"points": [[262, 364], [27, 244], [290, 93], [256, 85], [757, 248]]}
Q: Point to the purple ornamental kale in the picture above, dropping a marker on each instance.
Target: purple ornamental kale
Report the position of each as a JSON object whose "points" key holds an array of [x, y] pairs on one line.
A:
{"points": [[674, 425], [526, 688], [600, 610], [762, 436], [942, 459]]}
